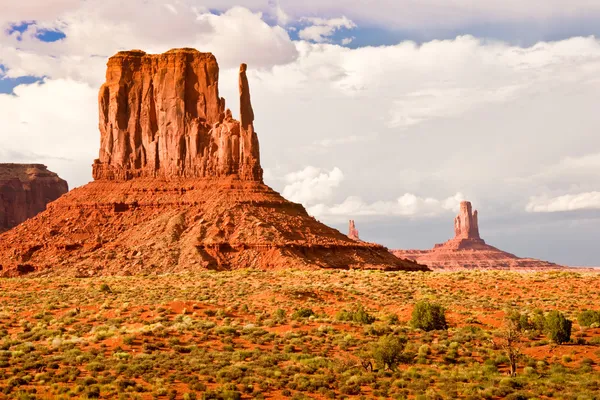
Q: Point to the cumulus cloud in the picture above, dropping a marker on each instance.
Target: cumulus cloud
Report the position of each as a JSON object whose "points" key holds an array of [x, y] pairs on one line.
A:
{"points": [[568, 202], [52, 123], [320, 30], [314, 188], [311, 184], [96, 30], [407, 205]]}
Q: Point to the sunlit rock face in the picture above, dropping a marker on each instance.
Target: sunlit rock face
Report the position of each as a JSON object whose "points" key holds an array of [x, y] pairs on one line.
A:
{"points": [[161, 116]]}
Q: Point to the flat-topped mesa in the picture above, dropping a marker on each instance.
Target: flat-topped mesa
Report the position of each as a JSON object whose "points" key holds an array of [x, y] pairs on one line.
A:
{"points": [[25, 190], [466, 225], [352, 231], [161, 117]]}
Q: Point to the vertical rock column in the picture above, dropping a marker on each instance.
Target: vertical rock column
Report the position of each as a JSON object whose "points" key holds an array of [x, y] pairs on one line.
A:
{"points": [[466, 225], [250, 154], [352, 231]]}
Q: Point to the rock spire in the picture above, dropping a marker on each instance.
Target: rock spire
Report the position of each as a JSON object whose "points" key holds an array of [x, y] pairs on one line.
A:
{"points": [[352, 231]]}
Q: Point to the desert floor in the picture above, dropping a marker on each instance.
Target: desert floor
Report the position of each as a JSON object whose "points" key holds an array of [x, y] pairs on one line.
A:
{"points": [[286, 334]]}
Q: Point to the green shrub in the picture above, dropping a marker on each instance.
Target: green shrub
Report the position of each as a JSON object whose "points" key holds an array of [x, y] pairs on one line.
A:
{"points": [[558, 328], [303, 313], [280, 315], [521, 321], [387, 351], [429, 316], [360, 316], [93, 392], [392, 319], [538, 322], [105, 288], [588, 318]]}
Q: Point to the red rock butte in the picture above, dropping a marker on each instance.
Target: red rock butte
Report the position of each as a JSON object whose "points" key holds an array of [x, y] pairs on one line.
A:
{"points": [[161, 116], [468, 251], [177, 187], [25, 191]]}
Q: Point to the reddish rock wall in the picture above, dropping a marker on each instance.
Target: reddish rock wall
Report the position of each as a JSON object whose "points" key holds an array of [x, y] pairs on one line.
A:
{"points": [[25, 190], [161, 116]]}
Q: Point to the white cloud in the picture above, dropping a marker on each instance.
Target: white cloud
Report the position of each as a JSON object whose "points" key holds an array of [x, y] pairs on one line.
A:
{"points": [[330, 142], [281, 16], [96, 30], [420, 106], [52, 123], [311, 184], [348, 40], [568, 202], [28, 10], [320, 30], [241, 36], [407, 205], [171, 8], [578, 169], [433, 15]]}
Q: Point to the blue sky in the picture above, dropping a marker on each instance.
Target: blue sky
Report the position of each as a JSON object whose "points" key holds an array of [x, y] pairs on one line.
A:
{"points": [[388, 112], [7, 84]]}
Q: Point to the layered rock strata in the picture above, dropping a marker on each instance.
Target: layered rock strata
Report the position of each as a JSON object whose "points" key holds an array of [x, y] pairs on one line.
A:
{"points": [[468, 251], [25, 190], [178, 187]]}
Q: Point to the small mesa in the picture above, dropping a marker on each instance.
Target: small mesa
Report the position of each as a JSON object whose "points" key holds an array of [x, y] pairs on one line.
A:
{"points": [[25, 191]]}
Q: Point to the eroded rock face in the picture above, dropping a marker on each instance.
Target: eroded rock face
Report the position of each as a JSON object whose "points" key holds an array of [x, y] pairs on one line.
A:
{"points": [[25, 190], [468, 251], [161, 116], [466, 225], [178, 187], [352, 231]]}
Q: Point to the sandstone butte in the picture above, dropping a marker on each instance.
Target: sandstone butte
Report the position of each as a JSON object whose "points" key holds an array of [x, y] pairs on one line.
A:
{"points": [[177, 186], [469, 251], [25, 190]]}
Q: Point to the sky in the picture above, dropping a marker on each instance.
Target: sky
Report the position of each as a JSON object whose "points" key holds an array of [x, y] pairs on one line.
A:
{"points": [[389, 112]]}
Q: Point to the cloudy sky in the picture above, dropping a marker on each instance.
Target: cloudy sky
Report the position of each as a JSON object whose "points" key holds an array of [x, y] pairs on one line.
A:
{"points": [[388, 112]]}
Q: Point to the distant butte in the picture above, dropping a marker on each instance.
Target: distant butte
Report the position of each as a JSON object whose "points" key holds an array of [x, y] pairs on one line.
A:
{"points": [[352, 231], [178, 187], [468, 251], [25, 191]]}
